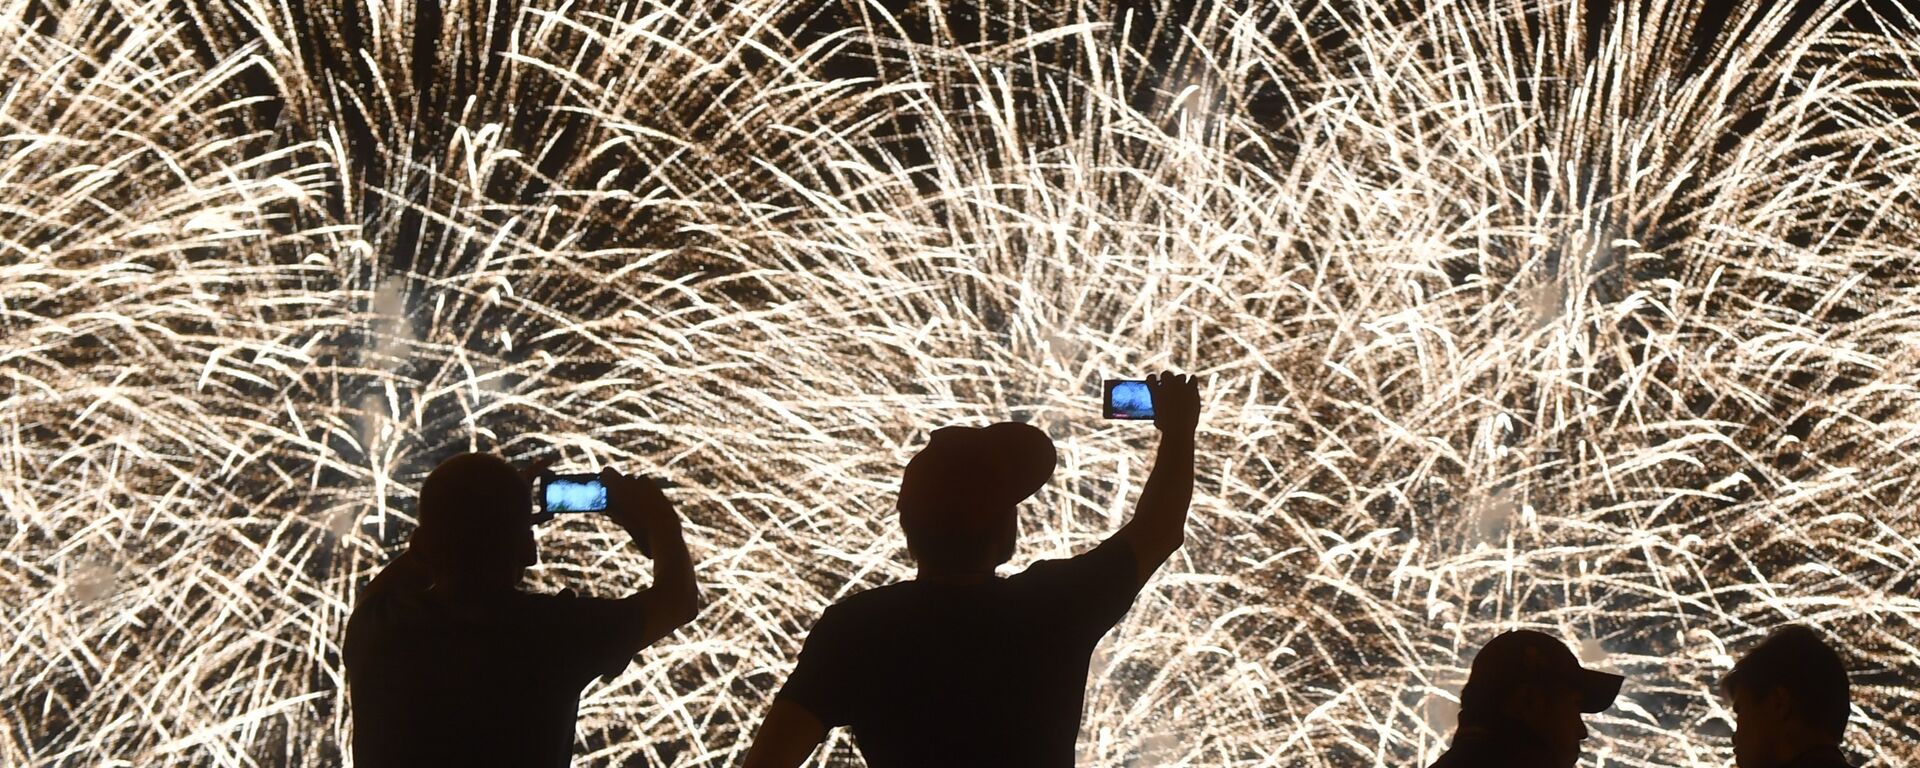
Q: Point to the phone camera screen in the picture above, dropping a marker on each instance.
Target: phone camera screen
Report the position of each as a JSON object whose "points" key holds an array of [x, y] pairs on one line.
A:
{"points": [[571, 494], [1129, 400]]}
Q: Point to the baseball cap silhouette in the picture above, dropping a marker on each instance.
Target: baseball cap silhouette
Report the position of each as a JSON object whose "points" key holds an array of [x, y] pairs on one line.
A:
{"points": [[963, 469], [1525, 657]]}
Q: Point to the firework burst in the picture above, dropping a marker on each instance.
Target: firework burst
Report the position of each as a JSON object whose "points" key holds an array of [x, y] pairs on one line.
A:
{"points": [[1505, 317]]}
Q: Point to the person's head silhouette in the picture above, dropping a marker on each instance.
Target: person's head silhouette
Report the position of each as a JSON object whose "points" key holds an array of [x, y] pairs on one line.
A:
{"points": [[1527, 689], [476, 527], [958, 494], [1790, 701]]}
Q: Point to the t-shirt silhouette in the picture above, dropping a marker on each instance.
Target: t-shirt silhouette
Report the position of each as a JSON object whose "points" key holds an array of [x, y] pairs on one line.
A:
{"points": [[491, 680], [990, 673]]}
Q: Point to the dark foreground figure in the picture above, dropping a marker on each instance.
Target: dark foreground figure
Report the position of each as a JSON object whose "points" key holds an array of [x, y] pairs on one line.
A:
{"points": [[1790, 703], [960, 667], [1522, 704], [448, 663]]}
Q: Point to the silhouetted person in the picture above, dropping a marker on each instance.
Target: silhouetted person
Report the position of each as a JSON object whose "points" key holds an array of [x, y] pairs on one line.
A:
{"points": [[960, 667], [1790, 703], [1522, 704], [449, 664]]}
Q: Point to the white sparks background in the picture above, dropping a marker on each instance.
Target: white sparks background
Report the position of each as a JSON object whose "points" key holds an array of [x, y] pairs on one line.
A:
{"points": [[1505, 317]]}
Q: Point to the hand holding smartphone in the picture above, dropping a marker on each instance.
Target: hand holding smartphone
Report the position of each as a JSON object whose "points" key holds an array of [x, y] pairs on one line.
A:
{"points": [[1170, 400], [591, 492]]}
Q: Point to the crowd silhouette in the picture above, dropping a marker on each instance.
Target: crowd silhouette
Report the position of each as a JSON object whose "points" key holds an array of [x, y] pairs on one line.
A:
{"points": [[449, 663]]}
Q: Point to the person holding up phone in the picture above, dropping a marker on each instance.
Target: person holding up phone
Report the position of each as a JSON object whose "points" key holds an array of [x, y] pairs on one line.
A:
{"points": [[961, 667], [449, 663]]}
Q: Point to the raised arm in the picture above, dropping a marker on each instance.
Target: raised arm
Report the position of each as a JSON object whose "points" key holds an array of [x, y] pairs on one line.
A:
{"points": [[637, 504], [1159, 522]]}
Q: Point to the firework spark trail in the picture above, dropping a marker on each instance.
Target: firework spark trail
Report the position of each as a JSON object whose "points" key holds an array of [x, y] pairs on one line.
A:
{"points": [[1491, 333]]}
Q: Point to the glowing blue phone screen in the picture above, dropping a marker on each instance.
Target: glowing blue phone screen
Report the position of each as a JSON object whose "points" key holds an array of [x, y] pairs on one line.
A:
{"points": [[1131, 400], [572, 496]]}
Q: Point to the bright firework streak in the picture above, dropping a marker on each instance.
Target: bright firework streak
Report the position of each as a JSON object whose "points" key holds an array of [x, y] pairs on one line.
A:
{"points": [[1491, 332]]}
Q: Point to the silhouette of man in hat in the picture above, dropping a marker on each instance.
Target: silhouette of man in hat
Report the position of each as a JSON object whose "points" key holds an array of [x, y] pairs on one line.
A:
{"points": [[1522, 704], [960, 667], [1790, 703], [448, 663]]}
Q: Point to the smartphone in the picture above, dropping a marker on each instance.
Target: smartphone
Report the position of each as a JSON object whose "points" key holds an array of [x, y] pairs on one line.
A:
{"points": [[1127, 399], [578, 492]]}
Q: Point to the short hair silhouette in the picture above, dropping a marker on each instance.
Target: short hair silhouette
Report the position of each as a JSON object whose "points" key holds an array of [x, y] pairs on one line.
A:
{"points": [[958, 494], [1795, 659], [475, 511]]}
